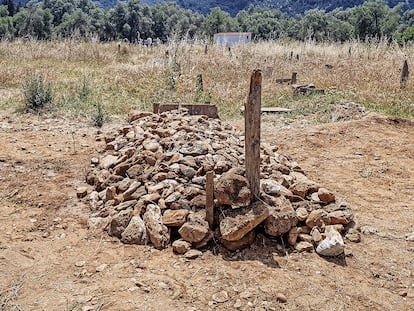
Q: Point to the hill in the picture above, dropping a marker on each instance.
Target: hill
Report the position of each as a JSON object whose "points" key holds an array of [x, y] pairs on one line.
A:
{"points": [[290, 7]]}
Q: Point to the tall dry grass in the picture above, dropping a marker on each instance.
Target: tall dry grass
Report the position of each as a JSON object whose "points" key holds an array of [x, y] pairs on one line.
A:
{"points": [[133, 77]]}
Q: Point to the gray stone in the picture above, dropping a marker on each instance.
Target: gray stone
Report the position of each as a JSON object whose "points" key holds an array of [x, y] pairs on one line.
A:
{"points": [[108, 161], [270, 187], [120, 222], [157, 232], [135, 232], [302, 214]]}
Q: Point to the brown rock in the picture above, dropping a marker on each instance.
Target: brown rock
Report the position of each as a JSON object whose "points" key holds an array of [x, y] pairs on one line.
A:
{"points": [[232, 189], [239, 222], [305, 237], [302, 214], [195, 229], [157, 232], [108, 161], [175, 218], [81, 192], [316, 218], [304, 247], [193, 254], [342, 217], [281, 218], [316, 235], [325, 195], [293, 235], [239, 244], [181, 246]]}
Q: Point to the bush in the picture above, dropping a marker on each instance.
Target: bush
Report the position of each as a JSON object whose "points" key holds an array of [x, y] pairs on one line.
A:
{"points": [[37, 93]]}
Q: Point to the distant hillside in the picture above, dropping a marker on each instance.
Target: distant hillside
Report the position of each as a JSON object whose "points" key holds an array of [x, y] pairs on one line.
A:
{"points": [[290, 7]]}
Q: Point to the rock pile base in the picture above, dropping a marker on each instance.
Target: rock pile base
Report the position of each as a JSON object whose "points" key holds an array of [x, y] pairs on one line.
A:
{"points": [[149, 186]]}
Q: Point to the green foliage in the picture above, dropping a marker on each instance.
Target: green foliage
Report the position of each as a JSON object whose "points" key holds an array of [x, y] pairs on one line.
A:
{"points": [[134, 20], [37, 94], [98, 117]]}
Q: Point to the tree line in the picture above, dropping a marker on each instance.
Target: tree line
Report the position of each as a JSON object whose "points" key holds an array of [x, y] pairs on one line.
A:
{"points": [[133, 21]]}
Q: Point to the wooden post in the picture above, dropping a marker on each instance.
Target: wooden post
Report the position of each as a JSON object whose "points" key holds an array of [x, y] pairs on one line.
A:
{"points": [[404, 75], [252, 133], [210, 198], [294, 74]]}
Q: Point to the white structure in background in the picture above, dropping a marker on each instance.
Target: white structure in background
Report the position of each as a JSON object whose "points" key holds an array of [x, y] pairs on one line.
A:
{"points": [[232, 38]]}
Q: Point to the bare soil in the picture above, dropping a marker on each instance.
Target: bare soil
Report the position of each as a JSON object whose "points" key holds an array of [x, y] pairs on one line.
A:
{"points": [[50, 260]]}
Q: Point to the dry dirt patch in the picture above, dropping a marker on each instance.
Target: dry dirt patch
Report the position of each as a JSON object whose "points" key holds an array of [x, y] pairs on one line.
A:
{"points": [[50, 261]]}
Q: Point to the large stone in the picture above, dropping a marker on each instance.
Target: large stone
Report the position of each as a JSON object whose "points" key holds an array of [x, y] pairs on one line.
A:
{"points": [[108, 161], [120, 222], [157, 231], [232, 189], [281, 218], [195, 229], [175, 218], [342, 217], [135, 232], [239, 222], [316, 218], [181, 246], [325, 195], [270, 187], [332, 245], [293, 235], [239, 244]]}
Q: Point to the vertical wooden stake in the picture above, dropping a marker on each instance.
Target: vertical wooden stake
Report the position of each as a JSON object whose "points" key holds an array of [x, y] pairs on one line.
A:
{"points": [[252, 133], [294, 74], [404, 75], [210, 198]]}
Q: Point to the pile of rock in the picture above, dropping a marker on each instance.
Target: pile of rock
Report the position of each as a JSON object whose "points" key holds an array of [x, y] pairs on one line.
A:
{"points": [[149, 186]]}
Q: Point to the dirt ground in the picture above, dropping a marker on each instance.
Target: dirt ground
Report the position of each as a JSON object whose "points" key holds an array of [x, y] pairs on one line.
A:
{"points": [[49, 260]]}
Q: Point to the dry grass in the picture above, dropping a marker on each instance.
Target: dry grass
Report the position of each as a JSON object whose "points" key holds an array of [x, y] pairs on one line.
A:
{"points": [[135, 77]]}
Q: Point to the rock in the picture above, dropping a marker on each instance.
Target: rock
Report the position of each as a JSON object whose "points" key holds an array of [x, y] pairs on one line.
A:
{"points": [[108, 161], [80, 264], [353, 236], [332, 245], [410, 237], [135, 232], [220, 297], [204, 242], [343, 217], [181, 246], [119, 223], [232, 189], [239, 222], [152, 146], [270, 187], [316, 235], [293, 235], [325, 195], [193, 254], [281, 218], [304, 247], [157, 232], [101, 267], [305, 237], [175, 218], [81, 192], [245, 241], [281, 298], [316, 218], [195, 229], [302, 214]]}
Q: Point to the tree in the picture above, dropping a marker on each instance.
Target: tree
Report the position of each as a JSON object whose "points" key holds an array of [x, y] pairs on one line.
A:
{"points": [[11, 9], [218, 21]]}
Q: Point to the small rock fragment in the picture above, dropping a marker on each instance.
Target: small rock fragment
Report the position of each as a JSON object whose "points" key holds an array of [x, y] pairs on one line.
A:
{"points": [[193, 254]]}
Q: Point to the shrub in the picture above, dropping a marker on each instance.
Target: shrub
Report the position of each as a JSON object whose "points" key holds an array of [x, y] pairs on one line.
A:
{"points": [[37, 93]]}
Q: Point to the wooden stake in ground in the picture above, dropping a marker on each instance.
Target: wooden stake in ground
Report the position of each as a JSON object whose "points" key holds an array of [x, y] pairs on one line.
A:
{"points": [[404, 75], [252, 132], [210, 198]]}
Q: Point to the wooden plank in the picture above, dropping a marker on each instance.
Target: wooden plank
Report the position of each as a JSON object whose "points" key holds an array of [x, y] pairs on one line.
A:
{"points": [[209, 110], [210, 198], [252, 133]]}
